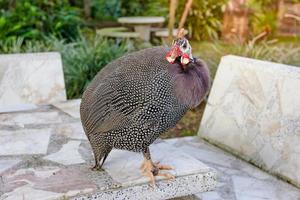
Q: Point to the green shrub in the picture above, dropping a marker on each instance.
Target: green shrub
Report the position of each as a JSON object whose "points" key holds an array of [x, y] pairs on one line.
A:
{"points": [[286, 53], [106, 10], [36, 19], [145, 8], [263, 16], [111, 10], [82, 58], [204, 19]]}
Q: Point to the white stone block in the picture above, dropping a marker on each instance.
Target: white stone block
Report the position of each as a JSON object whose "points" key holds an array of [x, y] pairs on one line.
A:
{"points": [[31, 78], [254, 111]]}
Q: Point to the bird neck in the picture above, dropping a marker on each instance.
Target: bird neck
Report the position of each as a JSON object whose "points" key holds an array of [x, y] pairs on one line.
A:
{"points": [[191, 83]]}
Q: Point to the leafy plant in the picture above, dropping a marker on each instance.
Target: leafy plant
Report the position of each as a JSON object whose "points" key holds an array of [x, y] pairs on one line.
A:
{"points": [[111, 10], [204, 19], [36, 19], [83, 59], [287, 53], [145, 8], [263, 16], [106, 10]]}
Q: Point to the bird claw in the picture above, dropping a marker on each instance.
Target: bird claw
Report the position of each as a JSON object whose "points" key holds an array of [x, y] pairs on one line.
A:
{"points": [[96, 168], [163, 167], [167, 175], [151, 170]]}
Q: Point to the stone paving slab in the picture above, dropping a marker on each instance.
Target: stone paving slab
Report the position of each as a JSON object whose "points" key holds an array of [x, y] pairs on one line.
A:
{"points": [[44, 154], [72, 130], [18, 108], [35, 177], [26, 141], [8, 163], [253, 111], [30, 118], [237, 179], [70, 107]]}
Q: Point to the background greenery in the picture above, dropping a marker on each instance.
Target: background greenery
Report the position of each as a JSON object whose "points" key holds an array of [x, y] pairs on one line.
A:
{"points": [[110, 10], [33, 20]]}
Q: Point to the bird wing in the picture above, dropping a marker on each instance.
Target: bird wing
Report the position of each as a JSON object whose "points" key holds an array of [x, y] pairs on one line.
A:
{"points": [[114, 106], [114, 100], [109, 109]]}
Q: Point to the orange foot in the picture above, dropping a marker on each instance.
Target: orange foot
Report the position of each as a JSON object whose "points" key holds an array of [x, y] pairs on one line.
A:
{"points": [[151, 169]]}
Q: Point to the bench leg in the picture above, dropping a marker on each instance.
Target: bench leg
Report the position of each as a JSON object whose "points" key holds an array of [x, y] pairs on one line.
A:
{"points": [[144, 31]]}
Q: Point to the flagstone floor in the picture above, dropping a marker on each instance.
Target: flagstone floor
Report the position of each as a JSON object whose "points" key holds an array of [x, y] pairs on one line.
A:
{"points": [[44, 154], [237, 179]]}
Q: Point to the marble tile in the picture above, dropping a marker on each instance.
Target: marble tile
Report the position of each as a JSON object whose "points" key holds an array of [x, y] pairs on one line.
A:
{"points": [[123, 166], [21, 119], [18, 108], [70, 107], [248, 188], [71, 130], [67, 155], [228, 168], [209, 196], [209, 156], [27, 192], [45, 182], [252, 112], [31, 78], [6, 164], [28, 141]]}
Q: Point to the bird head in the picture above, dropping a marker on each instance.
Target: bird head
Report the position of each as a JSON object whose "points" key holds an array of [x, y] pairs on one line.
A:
{"points": [[181, 49]]}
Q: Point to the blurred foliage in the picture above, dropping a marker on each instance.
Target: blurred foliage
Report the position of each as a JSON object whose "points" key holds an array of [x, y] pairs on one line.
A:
{"points": [[82, 58], [145, 7], [263, 16], [281, 52], [111, 10], [204, 19], [39, 18], [106, 10]]}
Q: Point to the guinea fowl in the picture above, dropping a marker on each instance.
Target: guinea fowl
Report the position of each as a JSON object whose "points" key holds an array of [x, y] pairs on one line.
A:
{"points": [[137, 97]]}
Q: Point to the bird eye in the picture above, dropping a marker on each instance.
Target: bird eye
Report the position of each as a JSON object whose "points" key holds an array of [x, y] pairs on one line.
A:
{"points": [[184, 46]]}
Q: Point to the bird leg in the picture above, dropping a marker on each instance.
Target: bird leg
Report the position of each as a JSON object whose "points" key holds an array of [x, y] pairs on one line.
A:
{"points": [[100, 156], [97, 166], [151, 169]]}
